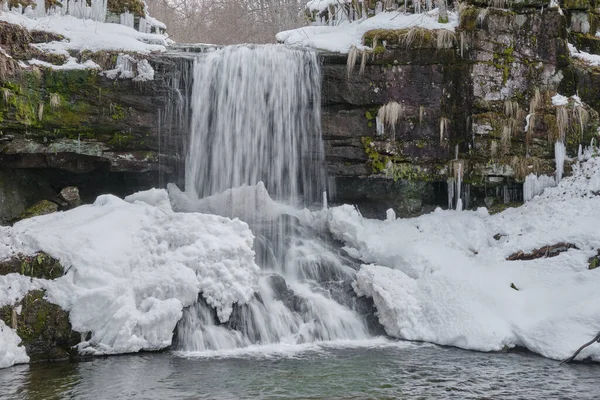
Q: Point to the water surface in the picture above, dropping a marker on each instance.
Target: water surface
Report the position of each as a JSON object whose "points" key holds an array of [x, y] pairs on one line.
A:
{"points": [[368, 371]]}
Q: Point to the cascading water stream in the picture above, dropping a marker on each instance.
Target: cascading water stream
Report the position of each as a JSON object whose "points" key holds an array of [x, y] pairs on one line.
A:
{"points": [[255, 133], [256, 117]]}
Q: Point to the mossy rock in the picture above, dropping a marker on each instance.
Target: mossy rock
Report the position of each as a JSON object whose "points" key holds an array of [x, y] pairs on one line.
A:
{"points": [[40, 208], [135, 7], [594, 262], [575, 4], [39, 265], [43, 327], [499, 207]]}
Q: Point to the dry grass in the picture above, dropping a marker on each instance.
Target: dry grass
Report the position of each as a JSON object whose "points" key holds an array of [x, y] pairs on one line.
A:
{"points": [[351, 61], [40, 112], [445, 39], [494, 149], [562, 121], [389, 115], [54, 101]]}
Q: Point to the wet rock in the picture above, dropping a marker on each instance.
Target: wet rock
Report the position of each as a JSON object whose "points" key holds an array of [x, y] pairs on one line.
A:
{"points": [[43, 327], [543, 252], [69, 196], [38, 265]]}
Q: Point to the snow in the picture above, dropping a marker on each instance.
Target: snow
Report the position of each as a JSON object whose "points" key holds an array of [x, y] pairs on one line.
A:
{"points": [[443, 278], [347, 34], [559, 100], [10, 351], [132, 266], [124, 69], [591, 59], [70, 64], [82, 33], [322, 5]]}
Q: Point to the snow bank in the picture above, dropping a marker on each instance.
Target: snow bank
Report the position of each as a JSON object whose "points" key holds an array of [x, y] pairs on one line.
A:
{"points": [[342, 37], [133, 265], [443, 278]]}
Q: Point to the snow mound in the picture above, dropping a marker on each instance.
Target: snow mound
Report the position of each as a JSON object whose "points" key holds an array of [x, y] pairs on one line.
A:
{"points": [[444, 277], [341, 38], [248, 202], [10, 351], [133, 265]]}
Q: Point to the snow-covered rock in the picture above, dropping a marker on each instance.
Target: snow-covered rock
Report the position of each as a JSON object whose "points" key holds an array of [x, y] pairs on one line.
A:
{"points": [[444, 278], [131, 268]]}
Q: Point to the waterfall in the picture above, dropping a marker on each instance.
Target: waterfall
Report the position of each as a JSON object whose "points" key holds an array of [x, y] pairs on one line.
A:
{"points": [[255, 134], [256, 117]]}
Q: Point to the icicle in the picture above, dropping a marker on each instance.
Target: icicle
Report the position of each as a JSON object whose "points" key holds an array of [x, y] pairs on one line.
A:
{"points": [[580, 153], [390, 215], [560, 153], [450, 187], [127, 19], [380, 126], [534, 185], [459, 205], [325, 206]]}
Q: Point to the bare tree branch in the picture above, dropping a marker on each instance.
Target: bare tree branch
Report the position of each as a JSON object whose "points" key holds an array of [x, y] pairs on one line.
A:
{"points": [[570, 359]]}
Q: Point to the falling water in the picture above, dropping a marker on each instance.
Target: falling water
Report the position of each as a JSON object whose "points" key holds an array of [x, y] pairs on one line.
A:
{"points": [[256, 117], [255, 133]]}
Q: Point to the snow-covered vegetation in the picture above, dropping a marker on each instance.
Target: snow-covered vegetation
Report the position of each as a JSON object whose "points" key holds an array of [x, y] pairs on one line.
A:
{"points": [[78, 27]]}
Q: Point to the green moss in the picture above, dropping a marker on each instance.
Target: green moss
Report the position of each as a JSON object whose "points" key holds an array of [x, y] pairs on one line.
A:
{"points": [[504, 61], [594, 262], [120, 140], [40, 208], [117, 112], [468, 18], [499, 207], [377, 161]]}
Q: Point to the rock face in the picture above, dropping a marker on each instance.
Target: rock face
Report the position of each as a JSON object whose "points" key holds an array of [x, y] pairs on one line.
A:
{"points": [[61, 128], [43, 327], [474, 104]]}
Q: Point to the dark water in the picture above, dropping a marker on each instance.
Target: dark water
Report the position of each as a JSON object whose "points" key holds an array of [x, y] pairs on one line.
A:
{"points": [[402, 370]]}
